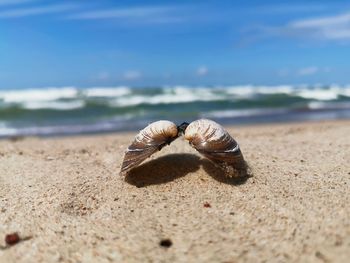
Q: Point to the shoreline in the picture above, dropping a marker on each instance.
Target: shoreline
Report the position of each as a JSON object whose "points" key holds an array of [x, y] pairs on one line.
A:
{"points": [[66, 194]]}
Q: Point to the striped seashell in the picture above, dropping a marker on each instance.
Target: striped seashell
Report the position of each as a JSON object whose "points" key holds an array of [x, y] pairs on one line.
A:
{"points": [[148, 141], [215, 143]]}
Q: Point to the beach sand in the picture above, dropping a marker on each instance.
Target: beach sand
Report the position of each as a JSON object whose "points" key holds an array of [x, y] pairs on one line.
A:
{"points": [[65, 197]]}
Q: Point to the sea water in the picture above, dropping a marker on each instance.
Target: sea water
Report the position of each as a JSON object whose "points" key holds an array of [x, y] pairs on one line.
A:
{"points": [[73, 110]]}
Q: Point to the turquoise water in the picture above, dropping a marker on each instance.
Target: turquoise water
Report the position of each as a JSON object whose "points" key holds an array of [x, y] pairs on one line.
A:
{"points": [[70, 110]]}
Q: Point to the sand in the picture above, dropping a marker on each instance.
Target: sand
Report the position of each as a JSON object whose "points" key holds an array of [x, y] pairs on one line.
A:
{"points": [[65, 198]]}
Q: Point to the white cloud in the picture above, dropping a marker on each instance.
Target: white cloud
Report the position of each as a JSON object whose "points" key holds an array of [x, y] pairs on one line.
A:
{"points": [[150, 14], [23, 12], [202, 71], [120, 13], [132, 75], [330, 28], [14, 2], [287, 8], [308, 71], [329, 21]]}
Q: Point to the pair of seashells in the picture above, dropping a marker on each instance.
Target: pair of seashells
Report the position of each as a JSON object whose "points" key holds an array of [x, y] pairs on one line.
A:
{"points": [[206, 136]]}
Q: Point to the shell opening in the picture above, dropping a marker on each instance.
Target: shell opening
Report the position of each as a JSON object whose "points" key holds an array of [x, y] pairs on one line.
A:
{"points": [[182, 127]]}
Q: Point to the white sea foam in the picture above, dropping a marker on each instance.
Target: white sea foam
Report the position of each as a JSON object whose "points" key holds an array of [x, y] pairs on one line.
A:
{"points": [[240, 91], [107, 91], [346, 91], [45, 94], [283, 89], [124, 96], [248, 91], [242, 113], [343, 91], [318, 94], [5, 130], [319, 105], [315, 105], [184, 94], [55, 105], [180, 96]]}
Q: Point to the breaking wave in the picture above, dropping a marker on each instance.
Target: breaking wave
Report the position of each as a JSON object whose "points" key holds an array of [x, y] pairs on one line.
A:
{"points": [[70, 110]]}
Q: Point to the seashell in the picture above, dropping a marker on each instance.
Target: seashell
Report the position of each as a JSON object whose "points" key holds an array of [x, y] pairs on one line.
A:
{"points": [[148, 141], [215, 143]]}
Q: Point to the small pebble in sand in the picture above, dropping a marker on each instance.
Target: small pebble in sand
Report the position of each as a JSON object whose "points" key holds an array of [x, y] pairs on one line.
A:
{"points": [[165, 243], [12, 239], [83, 151], [207, 205]]}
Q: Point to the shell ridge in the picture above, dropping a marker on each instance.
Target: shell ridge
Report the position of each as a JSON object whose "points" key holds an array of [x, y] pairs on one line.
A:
{"points": [[215, 143], [148, 141]]}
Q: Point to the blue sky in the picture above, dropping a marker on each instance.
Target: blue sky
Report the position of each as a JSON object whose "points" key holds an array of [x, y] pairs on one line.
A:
{"points": [[140, 43]]}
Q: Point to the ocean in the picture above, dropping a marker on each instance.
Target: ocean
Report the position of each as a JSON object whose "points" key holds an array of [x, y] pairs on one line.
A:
{"points": [[71, 110]]}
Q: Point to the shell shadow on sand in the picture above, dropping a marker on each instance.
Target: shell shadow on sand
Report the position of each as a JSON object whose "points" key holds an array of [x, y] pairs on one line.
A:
{"points": [[170, 167]]}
